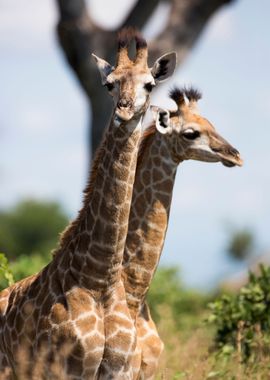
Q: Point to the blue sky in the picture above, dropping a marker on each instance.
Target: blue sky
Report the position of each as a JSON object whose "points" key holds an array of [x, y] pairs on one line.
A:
{"points": [[43, 126]]}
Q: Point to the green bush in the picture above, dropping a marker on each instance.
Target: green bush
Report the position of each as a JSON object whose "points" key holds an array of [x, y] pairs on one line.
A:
{"points": [[28, 233], [6, 276], [31, 226], [27, 265], [242, 320]]}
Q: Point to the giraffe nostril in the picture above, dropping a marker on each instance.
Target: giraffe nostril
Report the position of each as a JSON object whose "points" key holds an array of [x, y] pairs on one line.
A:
{"points": [[226, 150], [232, 151], [235, 152], [124, 103]]}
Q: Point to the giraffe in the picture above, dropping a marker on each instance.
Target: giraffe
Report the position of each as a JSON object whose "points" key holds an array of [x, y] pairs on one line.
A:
{"points": [[75, 309], [175, 136]]}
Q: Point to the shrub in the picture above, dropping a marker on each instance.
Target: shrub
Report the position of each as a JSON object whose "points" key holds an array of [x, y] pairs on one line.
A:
{"points": [[242, 321], [31, 226], [6, 275]]}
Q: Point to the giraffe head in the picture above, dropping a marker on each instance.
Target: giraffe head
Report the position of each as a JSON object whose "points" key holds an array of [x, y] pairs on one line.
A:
{"points": [[191, 136], [131, 80]]}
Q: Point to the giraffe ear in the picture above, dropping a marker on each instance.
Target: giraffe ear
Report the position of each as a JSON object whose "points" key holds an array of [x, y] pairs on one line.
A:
{"points": [[164, 67], [162, 119], [104, 68]]}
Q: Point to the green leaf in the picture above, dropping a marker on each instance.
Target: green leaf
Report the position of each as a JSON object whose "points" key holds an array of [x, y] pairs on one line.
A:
{"points": [[5, 270]]}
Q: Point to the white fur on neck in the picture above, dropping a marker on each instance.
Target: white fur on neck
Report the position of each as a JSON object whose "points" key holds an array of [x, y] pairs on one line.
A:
{"points": [[131, 125]]}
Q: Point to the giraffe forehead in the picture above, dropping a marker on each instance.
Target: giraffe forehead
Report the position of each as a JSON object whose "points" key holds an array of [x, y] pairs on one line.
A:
{"points": [[131, 72], [199, 120]]}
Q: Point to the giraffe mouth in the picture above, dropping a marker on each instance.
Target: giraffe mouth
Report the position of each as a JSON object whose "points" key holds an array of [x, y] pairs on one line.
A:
{"points": [[230, 162], [124, 114], [227, 155]]}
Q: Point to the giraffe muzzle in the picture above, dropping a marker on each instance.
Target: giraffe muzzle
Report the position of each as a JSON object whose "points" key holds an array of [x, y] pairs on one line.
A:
{"points": [[229, 157], [124, 110], [124, 103], [225, 152]]}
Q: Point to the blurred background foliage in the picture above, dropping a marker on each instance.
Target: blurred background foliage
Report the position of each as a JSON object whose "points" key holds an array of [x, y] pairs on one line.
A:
{"points": [[241, 243], [30, 230], [28, 233], [31, 226], [185, 304]]}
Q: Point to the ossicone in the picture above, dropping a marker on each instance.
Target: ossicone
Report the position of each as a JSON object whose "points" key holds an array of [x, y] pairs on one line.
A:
{"points": [[185, 98], [125, 37]]}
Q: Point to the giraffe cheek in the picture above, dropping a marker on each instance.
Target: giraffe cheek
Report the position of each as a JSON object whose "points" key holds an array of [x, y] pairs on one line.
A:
{"points": [[140, 100]]}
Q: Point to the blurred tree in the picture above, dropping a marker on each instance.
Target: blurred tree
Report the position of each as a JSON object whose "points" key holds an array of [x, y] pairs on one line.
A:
{"points": [[79, 36], [31, 226], [241, 244]]}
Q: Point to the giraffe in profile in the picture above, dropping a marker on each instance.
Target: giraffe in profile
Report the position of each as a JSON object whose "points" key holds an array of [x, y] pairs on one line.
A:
{"points": [[78, 300], [175, 136]]}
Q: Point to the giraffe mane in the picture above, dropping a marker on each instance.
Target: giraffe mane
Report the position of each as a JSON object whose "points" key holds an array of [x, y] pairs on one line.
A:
{"points": [[125, 38], [192, 93], [178, 94], [146, 140], [126, 35], [67, 234]]}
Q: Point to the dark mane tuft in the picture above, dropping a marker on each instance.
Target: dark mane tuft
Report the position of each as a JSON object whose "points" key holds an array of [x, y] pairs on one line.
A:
{"points": [[67, 234], [123, 38], [146, 140], [177, 95], [140, 41], [193, 94], [126, 35]]}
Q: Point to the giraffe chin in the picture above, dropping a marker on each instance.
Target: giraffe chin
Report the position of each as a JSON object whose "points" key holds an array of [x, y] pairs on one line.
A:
{"points": [[229, 163], [123, 115]]}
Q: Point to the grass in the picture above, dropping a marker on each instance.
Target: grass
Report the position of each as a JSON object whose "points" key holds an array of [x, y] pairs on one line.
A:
{"points": [[190, 355]]}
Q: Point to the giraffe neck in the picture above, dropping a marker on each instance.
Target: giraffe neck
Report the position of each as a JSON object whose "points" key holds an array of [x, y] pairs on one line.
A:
{"points": [[91, 249], [152, 194]]}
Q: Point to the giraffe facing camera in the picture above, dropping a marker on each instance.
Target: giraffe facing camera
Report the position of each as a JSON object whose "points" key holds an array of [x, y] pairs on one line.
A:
{"points": [[130, 81]]}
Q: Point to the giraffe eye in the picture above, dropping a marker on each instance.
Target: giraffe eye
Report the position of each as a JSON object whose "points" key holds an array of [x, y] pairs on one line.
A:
{"points": [[148, 86], [110, 86], [190, 134]]}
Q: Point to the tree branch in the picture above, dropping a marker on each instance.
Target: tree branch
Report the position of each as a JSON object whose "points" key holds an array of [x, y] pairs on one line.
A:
{"points": [[186, 22], [140, 14], [79, 37]]}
